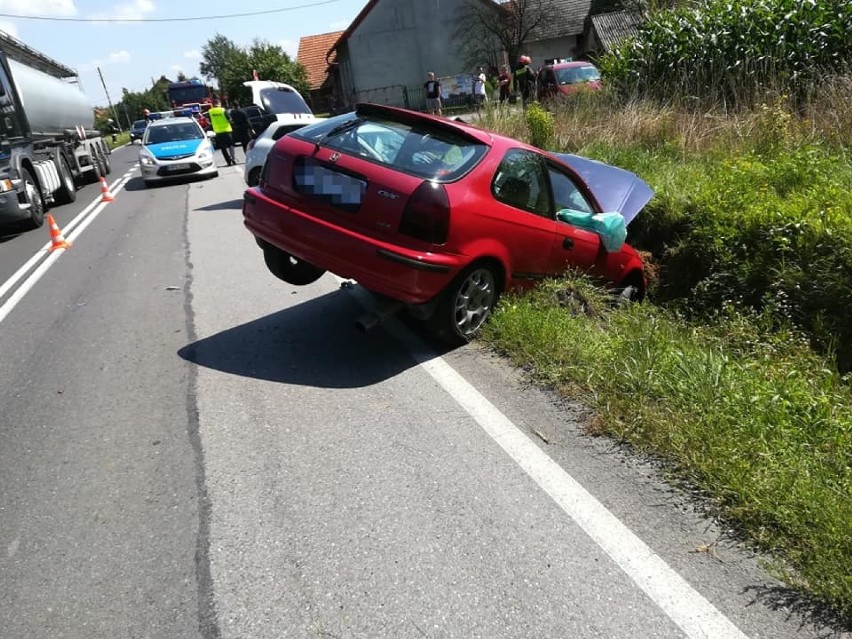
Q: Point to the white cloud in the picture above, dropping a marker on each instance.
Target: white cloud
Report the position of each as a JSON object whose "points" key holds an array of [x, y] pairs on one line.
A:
{"points": [[9, 27], [194, 54], [290, 47], [133, 10], [118, 57], [39, 7]]}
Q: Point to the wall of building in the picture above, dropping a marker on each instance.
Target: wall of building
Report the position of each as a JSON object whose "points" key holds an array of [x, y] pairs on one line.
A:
{"points": [[395, 46], [565, 47]]}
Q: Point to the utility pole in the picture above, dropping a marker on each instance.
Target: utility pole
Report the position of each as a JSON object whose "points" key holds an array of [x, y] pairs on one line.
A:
{"points": [[111, 107]]}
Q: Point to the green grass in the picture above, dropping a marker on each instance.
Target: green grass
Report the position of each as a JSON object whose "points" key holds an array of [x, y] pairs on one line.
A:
{"points": [[120, 140], [750, 416]]}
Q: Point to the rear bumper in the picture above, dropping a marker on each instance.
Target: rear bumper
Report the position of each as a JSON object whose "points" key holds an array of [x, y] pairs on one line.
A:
{"points": [[412, 277]]}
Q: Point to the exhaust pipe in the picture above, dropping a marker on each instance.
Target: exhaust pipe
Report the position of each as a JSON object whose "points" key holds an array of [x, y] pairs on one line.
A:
{"points": [[369, 321]]}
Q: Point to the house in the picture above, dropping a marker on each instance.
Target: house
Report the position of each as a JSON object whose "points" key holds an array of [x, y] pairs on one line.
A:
{"points": [[387, 50], [312, 55], [385, 54], [560, 34], [606, 30]]}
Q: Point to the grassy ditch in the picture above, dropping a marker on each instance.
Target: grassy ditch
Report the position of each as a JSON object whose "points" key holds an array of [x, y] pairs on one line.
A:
{"points": [[734, 370], [753, 418]]}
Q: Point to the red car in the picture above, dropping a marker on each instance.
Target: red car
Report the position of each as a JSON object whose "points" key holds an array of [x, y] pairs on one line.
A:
{"points": [[564, 78], [436, 215]]}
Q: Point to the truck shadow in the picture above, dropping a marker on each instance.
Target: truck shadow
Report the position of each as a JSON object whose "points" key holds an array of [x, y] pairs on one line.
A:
{"points": [[310, 344]]}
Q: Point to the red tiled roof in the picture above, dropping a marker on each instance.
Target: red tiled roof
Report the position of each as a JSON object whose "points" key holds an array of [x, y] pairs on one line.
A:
{"points": [[312, 52]]}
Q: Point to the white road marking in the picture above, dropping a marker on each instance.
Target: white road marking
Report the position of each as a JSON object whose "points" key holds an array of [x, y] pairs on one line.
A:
{"points": [[77, 225], [685, 606]]}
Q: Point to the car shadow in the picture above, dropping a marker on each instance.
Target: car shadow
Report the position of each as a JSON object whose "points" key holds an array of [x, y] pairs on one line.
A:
{"points": [[312, 344], [138, 184], [233, 205]]}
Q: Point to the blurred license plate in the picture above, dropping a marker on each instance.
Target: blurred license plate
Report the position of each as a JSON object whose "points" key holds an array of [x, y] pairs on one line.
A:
{"points": [[341, 190], [179, 167]]}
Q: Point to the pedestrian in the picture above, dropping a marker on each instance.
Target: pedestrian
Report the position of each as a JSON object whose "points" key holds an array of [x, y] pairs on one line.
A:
{"points": [[504, 81], [222, 129], [480, 95], [525, 78], [432, 88], [242, 127]]}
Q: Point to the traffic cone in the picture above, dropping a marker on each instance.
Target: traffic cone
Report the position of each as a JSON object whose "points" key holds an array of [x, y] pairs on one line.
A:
{"points": [[56, 239], [106, 196]]}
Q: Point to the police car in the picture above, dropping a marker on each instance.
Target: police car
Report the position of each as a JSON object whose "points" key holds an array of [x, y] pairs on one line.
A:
{"points": [[175, 148]]}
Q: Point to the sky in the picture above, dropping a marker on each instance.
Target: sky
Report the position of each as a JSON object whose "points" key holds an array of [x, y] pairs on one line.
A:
{"points": [[89, 34]]}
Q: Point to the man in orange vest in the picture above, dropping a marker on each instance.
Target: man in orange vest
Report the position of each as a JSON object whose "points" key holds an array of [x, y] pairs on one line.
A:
{"points": [[222, 128]]}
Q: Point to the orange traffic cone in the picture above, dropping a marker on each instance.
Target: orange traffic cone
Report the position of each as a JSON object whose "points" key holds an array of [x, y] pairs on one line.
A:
{"points": [[106, 196], [56, 239]]}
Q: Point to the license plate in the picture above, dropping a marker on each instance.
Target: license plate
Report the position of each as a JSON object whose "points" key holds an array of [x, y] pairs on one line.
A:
{"points": [[179, 167], [341, 190]]}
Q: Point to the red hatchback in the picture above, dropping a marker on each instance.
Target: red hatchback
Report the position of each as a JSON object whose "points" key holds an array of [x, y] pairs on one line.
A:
{"points": [[434, 214], [564, 78]]}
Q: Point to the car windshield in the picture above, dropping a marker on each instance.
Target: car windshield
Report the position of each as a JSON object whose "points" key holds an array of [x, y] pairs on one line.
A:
{"points": [[575, 75], [283, 100], [140, 124], [176, 132], [422, 150]]}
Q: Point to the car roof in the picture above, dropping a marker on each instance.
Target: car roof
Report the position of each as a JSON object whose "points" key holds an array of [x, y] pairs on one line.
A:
{"points": [[569, 65]]}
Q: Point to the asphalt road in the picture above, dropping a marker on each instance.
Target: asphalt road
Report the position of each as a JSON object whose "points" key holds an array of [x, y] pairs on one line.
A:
{"points": [[192, 448]]}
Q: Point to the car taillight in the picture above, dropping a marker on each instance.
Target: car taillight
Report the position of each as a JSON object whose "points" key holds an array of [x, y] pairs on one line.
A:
{"points": [[250, 145], [427, 214]]}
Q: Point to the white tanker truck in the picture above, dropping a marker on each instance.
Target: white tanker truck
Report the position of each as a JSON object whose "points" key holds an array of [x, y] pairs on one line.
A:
{"points": [[48, 143]]}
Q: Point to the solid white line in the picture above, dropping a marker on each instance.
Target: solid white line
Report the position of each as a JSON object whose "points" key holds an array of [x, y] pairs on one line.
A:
{"points": [[80, 222], [685, 606]]}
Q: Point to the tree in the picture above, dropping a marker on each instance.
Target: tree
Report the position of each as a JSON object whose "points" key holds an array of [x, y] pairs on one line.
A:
{"points": [[510, 23], [269, 61], [216, 56]]}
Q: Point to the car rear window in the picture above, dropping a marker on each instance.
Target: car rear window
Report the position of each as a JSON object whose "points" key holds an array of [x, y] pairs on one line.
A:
{"points": [[424, 151]]}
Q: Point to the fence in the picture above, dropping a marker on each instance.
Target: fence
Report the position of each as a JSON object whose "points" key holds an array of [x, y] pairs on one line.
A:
{"points": [[456, 95]]}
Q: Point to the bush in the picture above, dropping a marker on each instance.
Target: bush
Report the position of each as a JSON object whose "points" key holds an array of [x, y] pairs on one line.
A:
{"points": [[541, 126]]}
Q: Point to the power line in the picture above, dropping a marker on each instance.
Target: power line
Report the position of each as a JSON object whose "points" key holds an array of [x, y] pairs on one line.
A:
{"points": [[196, 18]]}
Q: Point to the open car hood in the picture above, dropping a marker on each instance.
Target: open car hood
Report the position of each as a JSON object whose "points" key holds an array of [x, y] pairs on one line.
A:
{"points": [[616, 189]]}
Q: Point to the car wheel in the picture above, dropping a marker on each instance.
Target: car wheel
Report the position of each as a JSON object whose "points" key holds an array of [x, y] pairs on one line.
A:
{"points": [[97, 170], [34, 199], [254, 176], [67, 191], [631, 290], [290, 269], [466, 304]]}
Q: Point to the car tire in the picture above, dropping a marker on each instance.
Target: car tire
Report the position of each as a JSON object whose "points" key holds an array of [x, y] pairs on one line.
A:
{"points": [[67, 191], [97, 171], [254, 176], [34, 199], [630, 290], [466, 304], [290, 269]]}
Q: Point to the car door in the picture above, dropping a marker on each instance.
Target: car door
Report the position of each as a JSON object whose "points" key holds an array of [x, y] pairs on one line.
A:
{"points": [[522, 217], [575, 248]]}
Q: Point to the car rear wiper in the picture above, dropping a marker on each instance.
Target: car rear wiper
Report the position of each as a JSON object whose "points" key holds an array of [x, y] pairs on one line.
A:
{"points": [[340, 128]]}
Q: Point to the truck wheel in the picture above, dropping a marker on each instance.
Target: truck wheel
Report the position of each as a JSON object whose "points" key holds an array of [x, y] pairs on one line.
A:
{"points": [[97, 172], [67, 191], [106, 165], [34, 199]]}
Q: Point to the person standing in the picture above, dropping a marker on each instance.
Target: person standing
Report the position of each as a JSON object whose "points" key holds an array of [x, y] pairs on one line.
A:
{"points": [[222, 129], [432, 88], [525, 78], [479, 93], [504, 81], [242, 127]]}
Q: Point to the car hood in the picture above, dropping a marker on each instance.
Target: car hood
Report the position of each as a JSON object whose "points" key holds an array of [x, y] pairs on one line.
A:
{"points": [[170, 149], [615, 189]]}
